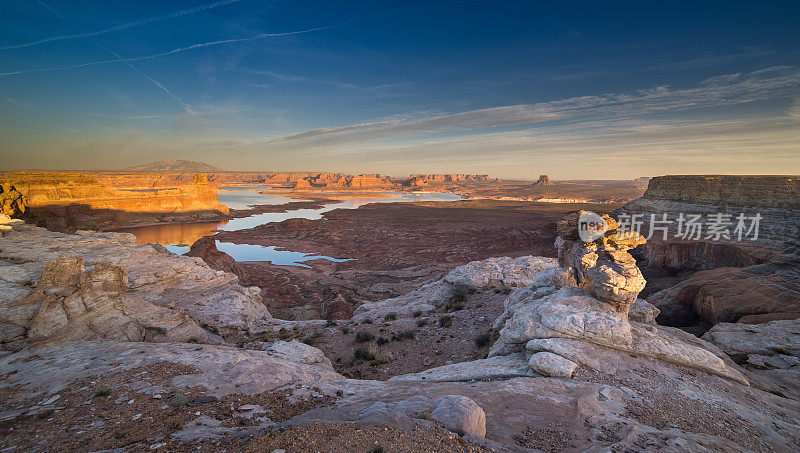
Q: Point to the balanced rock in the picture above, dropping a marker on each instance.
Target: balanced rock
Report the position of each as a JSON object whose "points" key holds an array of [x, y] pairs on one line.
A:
{"points": [[603, 266]]}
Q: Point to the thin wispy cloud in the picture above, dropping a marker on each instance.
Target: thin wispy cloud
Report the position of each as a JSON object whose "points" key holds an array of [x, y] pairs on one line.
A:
{"points": [[725, 90], [220, 42], [149, 20], [186, 107]]}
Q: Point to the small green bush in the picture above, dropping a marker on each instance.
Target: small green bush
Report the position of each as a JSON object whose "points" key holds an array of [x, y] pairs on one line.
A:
{"points": [[422, 323], [381, 341], [445, 321], [363, 336], [365, 353], [390, 317], [483, 340], [454, 305], [101, 393], [405, 335], [417, 314]]}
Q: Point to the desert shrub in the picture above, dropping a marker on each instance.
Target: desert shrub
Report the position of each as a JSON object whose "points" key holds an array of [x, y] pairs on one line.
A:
{"points": [[365, 353], [331, 323], [376, 449], [381, 359], [309, 340], [101, 393], [417, 314], [390, 317], [345, 330], [483, 340], [363, 336], [422, 323], [366, 321], [381, 341], [404, 335], [445, 321], [454, 305]]}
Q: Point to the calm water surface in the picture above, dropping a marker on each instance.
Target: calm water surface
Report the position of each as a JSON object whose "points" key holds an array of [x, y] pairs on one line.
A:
{"points": [[178, 237]]}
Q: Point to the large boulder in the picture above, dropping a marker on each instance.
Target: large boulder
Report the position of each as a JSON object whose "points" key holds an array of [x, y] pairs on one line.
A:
{"points": [[460, 414]]}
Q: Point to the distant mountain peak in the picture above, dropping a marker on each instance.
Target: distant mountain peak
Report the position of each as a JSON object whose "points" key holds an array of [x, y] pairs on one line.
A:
{"points": [[176, 165]]}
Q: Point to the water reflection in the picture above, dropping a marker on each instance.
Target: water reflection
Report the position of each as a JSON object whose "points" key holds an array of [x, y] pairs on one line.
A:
{"points": [[178, 237], [172, 234]]}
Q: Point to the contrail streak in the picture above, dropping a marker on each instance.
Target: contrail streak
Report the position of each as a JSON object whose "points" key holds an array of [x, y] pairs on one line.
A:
{"points": [[182, 49], [158, 84], [137, 23], [224, 41], [185, 106]]}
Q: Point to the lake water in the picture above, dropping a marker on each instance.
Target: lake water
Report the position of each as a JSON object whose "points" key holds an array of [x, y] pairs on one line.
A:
{"points": [[178, 237]]}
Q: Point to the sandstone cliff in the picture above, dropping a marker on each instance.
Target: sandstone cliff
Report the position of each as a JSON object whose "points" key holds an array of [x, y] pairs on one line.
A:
{"points": [[751, 279], [725, 190], [67, 201], [176, 166]]}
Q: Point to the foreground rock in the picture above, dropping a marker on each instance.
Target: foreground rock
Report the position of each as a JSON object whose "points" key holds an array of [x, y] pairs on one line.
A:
{"points": [[502, 273], [770, 350], [577, 320], [102, 285]]}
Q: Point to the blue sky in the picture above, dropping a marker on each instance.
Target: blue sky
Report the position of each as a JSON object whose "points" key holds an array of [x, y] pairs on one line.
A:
{"points": [[514, 89]]}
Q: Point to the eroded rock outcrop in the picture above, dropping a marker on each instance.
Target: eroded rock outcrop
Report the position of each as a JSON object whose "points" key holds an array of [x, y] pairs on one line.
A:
{"points": [[770, 350], [109, 287], [750, 274], [501, 273], [543, 181], [13, 203], [86, 305], [206, 248], [69, 201], [571, 319]]}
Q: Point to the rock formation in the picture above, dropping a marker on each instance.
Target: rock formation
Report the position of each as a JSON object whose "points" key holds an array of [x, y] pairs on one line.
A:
{"points": [[423, 180], [302, 184], [727, 278], [576, 364], [770, 350], [543, 181], [604, 265], [129, 292], [206, 249], [69, 201], [366, 181], [725, 190], [577, 320], [12, 202], [502, 273], [176, 166]]}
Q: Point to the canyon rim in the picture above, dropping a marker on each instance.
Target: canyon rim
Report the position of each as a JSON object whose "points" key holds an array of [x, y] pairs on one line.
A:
{"points": [[240, 226]]}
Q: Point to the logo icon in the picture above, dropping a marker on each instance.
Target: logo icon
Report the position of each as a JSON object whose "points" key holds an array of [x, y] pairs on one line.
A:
{"points": [[591, 226]]}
